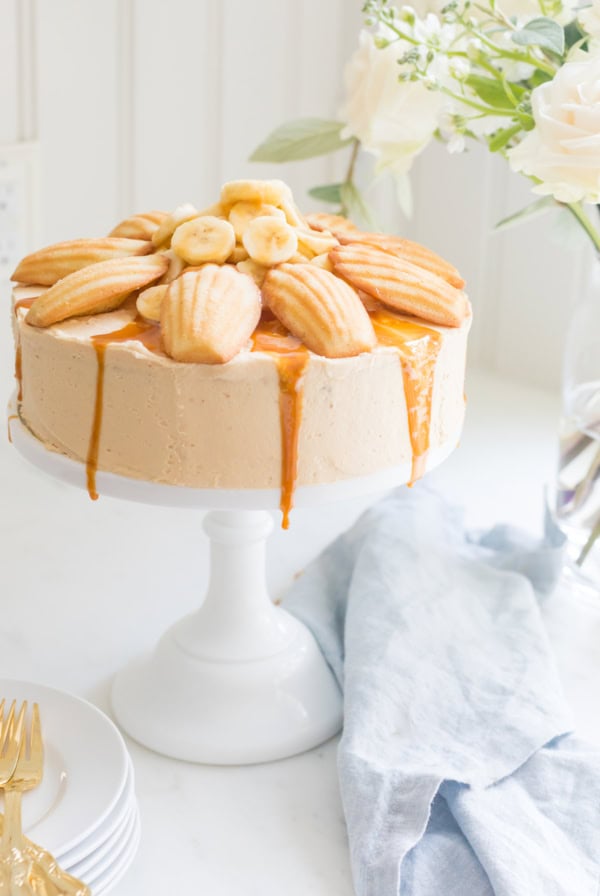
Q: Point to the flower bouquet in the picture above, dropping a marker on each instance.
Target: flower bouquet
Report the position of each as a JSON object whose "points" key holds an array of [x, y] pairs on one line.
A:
{"points": [[521, 77]]}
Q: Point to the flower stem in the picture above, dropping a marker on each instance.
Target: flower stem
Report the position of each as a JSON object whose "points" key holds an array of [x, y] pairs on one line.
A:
{"points": [[352, 163], [485, 110], [593, 537], [576, 209]]}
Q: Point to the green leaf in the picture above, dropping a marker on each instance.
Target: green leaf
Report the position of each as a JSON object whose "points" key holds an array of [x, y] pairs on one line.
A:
{"points": [[530, 211], [492, 91], [327, 193], [573, 35], [301, 139], [541, 32], [354, 204], [539, 77], [500, 139]]}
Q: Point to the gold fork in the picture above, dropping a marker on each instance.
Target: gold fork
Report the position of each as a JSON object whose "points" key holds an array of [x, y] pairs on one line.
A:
{"points": [[11, 730], [27, 774], [25, 868]]}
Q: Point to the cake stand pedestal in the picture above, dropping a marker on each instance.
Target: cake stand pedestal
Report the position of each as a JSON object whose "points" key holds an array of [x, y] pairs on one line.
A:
{"points": [[240, 680]]}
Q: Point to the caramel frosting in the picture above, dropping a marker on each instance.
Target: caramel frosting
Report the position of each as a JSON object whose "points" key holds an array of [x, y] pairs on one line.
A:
{"points": [[276, 415]]}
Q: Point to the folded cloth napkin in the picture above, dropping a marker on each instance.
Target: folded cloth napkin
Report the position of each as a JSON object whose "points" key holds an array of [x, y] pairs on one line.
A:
{"points": [[457, 774]]}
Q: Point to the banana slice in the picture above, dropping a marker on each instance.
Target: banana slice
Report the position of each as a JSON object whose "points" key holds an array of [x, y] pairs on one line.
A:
{"points": [[323, 261], [169, 225], [149, 301], [314, 242], [216, 210], [292, 213], [238, 254], [257, 271], [271, 192], [242, 213], [204, 239], [270, 241], [176, 266]]}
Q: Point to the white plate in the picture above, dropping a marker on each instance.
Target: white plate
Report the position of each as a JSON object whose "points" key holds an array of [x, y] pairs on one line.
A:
{"points": [[105, 857], [104, 831], [85, 768], [109, 878]]}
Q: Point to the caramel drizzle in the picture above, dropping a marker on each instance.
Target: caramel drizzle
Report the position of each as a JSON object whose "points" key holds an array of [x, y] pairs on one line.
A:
{"points": [[418, 348], [291, 357], [11, 417], [22, 303], [140, 330]]}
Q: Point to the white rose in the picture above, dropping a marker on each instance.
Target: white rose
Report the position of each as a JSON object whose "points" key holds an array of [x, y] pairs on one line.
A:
{"points": [[394, 120], [563, 150]]}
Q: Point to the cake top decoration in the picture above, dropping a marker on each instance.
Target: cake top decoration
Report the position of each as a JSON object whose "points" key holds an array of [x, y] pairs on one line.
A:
{"points": [[207, 276]]}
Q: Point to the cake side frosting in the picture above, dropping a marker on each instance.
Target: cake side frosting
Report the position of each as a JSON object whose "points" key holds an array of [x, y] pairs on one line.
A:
{"points": [[219, 426]]}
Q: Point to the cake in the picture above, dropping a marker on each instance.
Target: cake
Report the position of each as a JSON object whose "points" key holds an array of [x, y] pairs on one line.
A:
{"points": [[245, 346]]}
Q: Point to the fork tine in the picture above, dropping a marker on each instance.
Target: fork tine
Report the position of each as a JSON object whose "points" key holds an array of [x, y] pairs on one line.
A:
{"points": [[19, 730], [37, 744], [13, 738], [6, 731]]}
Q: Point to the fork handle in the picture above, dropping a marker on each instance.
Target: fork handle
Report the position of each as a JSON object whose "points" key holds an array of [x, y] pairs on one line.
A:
{"points": [[12, 837]]}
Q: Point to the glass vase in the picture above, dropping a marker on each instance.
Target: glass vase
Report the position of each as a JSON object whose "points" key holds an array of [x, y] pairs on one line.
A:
{"points": [[575, 506]]}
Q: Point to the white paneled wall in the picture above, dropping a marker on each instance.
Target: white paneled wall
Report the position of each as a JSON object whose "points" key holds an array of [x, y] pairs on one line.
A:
{"points": [[143, 104]]}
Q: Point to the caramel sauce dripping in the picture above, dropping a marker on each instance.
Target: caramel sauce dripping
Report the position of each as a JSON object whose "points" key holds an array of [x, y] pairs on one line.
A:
{"points": [[418, 348], [8, 422], [22, 303], [19, 371], [291, 357], [140, 330]]}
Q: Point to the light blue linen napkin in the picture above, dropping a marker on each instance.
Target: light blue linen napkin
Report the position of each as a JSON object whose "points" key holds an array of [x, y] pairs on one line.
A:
{"points": [[458, 777]]}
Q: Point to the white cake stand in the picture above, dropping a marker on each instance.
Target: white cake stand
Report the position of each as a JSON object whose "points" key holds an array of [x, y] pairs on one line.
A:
{"points": [[240, 680]]}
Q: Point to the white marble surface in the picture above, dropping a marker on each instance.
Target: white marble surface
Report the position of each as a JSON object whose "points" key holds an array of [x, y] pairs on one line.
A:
{"points": [[84, 587]]}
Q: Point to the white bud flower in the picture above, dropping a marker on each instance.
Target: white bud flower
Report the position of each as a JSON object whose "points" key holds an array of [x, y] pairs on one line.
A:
{"points": [[459, 68]]}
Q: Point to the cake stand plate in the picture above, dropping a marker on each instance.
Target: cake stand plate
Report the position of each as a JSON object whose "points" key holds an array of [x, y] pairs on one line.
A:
{"points": [[240, 680]]}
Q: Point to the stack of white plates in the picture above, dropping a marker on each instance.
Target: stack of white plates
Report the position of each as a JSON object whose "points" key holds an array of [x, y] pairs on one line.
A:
{"points": [[84, 812]]}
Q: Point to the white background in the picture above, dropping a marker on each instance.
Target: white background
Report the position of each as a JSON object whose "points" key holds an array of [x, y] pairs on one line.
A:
{"points": [[142, 104]]}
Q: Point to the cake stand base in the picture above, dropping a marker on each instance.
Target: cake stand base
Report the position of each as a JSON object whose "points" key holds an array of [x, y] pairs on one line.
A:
{"points": [[239, 681]]}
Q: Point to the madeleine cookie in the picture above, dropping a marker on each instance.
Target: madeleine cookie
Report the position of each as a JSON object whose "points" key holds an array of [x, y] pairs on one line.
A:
{"points": [[399, 284], [320, 309], [411, 251], [139, 227], [94, 289], [48, 266], [207, 316]]}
